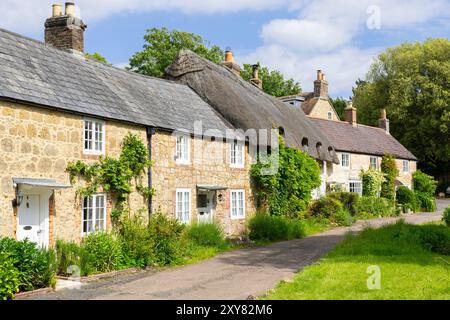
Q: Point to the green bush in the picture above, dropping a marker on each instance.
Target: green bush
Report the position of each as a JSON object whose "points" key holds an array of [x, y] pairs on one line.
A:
{"points": [[390, 171], [10, 277], [436, 238], [264, 227], [206, 234], [348, 199], [446, 217], [37, 266], [137, 242], [104, 250], [371, 182], [167, 235], [332, 210], [425, 188], [69, 254], [408, 198], [372, 207]]}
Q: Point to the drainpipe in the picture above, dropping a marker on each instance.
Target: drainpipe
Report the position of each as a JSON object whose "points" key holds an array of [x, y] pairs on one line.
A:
{"points": [[150, 132]]}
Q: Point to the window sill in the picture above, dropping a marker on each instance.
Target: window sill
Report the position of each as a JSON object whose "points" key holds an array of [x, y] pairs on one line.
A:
{"points": [[238, 218]]}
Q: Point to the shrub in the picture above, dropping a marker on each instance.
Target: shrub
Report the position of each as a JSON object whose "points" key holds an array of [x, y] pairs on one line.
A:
{"points": [[37, 266], [167, 236], [206, 234], [288, 191], [446, 217], [371, 182], [390, 171], [69, 254], [436, 238], [426, 202], [331, 209], [348, 199], [407, 198], [10, 277], [424, 183], [104, 250], [370, 207], [137, 242], [264, 227]]}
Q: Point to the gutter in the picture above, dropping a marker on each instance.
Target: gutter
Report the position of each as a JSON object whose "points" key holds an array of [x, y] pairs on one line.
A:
{"points": [[150, 132]]}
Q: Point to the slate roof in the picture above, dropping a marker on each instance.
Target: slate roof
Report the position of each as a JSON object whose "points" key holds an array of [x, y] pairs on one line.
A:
{"points": [[33, 72], [361, 139], [246, 106]]}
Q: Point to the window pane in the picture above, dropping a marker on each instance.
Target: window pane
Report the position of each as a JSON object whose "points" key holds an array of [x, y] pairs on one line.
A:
{"points": [[186, 206], [179, 205]]}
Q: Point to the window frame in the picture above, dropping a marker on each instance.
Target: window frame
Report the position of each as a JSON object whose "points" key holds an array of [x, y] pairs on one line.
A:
{"points": [[376, 162], [187, 159], [408, 169], [342, 159], [94, 211], [183, 191], [358, 182], [93, 151], [237, 216], [237, 145], [330, 115]]}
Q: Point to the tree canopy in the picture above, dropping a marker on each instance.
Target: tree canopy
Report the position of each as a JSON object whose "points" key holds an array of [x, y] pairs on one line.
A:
{"points": [[412, 81], [273, 81], [162, 46], [339, 104], [96, 56]]}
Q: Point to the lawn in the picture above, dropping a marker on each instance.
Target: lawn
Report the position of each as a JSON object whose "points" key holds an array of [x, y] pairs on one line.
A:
{"points": [[409, 269]]}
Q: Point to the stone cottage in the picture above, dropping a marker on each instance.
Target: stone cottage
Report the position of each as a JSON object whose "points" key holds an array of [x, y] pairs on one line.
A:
{"points": [[358, 146], [56, 107]]}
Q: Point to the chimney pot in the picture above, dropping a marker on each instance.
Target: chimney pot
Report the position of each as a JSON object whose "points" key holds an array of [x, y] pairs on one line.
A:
{"points": [[255, 76], [383, 122], [56, 10], [229, 56], [70, 9], [230, 64], [320, 86], [320, 75]]}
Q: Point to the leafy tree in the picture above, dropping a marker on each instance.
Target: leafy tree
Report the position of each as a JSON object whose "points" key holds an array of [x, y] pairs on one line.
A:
{"points": [[162, 46], [390, 171], [288, 191], [273, 81], [96, 56], [412, 81], [339, 104]]}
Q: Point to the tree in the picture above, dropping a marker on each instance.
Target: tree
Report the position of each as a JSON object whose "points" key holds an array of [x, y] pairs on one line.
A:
{"points": [[412, 81], [339, 104], [273, 81], [96, 56], [162, 46]]}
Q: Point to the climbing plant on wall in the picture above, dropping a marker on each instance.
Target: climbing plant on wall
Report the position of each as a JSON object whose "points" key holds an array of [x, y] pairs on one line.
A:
{"points": [[390, 170], [115, 176]]}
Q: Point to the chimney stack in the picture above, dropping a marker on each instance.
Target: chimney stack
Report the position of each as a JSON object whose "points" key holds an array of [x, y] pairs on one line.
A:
{"points": [[383, 122], [65, 32], [255, 80], [230, 64], [350, 114], [320, 86]]}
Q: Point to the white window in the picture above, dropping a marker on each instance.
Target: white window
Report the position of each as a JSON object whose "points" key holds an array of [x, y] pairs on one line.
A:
{"points": [[182, 150], [374, 163], [355, 186], [405, 166], [94, 213], [237, 154], [94, 136], [330, 115], [345, 160], [183, 205], [237, 206]]}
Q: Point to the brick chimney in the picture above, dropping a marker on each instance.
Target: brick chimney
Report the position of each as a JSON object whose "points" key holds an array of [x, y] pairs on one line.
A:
{"points": [[320, 86], [255, 80], [65, 31], [230, 64], [383, 122], [350, 114]]}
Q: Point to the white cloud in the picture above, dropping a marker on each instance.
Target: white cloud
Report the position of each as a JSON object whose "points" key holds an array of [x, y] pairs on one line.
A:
{"points": [[324, 36]]}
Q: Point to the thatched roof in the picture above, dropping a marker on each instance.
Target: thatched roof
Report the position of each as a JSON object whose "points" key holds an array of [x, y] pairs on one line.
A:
{"points": [[247, 107]]}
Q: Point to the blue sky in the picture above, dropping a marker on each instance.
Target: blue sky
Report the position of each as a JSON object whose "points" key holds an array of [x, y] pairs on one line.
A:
{"points": [[297, 37]]}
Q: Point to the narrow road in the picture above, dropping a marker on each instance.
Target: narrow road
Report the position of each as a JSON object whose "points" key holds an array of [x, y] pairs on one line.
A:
{"points": [[231, 275]]}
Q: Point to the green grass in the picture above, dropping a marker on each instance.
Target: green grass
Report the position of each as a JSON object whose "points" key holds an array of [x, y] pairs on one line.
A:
{"points": [[408, 269], [313, 226]]}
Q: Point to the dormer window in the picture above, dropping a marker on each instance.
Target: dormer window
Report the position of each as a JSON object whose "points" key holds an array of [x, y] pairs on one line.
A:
{"points": [[94, 137]]}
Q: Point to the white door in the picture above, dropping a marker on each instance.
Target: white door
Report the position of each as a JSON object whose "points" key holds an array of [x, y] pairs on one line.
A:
{"points": [[29, 220], [205, 207]]}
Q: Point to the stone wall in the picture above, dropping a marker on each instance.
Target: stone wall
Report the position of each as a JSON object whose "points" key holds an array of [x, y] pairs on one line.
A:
{"points": [[39, 143], [321, 109], [210, 165]]}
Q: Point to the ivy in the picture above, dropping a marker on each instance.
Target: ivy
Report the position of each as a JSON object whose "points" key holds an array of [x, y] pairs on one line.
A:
{"points": [[115, 176], [371, 182], [288, 191], [390, 170]]}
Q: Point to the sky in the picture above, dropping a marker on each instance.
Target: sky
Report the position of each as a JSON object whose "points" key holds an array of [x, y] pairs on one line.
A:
{"points": [[296, 37]]}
